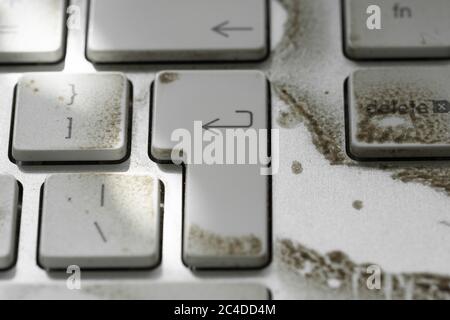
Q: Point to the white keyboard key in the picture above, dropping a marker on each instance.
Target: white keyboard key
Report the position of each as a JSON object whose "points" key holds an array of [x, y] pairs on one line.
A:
{"points": [[174, 30], [135, 291], [226, 217], [226, 211], [9, 197], [105, 221], [71, 117], [32, 31], [399, 113], [409, 29]]}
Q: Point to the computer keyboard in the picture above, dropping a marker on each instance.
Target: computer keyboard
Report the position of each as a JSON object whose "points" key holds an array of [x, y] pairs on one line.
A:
{"points": [[345, 132]]}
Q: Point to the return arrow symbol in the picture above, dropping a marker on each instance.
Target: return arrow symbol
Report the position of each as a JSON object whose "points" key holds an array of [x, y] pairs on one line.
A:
{"points": [[212, 125]]}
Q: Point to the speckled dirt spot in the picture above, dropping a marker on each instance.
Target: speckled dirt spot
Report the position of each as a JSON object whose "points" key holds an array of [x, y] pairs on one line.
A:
{"points": [[210, 243], [107, 123], [30, 84], [358, 204], [336, 271], [168, 77], [296, 167]]}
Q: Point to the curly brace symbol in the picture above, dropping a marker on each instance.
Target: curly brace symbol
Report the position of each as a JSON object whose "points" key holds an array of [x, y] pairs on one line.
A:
{"points": [[74, 94]]}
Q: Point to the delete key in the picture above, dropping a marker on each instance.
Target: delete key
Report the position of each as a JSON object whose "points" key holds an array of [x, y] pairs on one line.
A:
{"points": [[398, 114]]}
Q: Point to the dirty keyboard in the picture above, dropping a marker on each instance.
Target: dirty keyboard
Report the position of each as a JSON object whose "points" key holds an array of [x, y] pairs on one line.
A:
{"points": [[239, 149]]}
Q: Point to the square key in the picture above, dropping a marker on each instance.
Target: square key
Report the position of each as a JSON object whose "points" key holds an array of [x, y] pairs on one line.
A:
{"points": [[214, 97], [100, 221], [71, 118], [399, 113], [387, 29], [32, 31]]}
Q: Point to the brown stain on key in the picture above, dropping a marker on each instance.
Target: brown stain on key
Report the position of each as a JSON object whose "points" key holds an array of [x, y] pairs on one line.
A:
{"points": [[31, 85], [168, 77], [207, 242]]}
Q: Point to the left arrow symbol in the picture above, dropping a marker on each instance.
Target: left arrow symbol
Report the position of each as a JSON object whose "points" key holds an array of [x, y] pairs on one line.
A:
{"points": [[223, 29]]}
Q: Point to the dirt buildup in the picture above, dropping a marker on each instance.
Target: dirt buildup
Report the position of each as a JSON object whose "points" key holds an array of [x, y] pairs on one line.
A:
{"points": [[292, 29], [358, 204], [297, 90], [296, 167], [408, 108], [336, 271], [168, 77], [209, 243], [437, 178], [107, 123], [324, 129]]}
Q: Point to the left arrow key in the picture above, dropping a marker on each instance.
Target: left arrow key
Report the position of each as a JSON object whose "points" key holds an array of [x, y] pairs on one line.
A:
{"points": [[194, 30]]}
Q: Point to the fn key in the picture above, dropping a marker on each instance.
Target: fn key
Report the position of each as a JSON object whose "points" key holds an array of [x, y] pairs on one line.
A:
{"points": [[384, 29]]}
